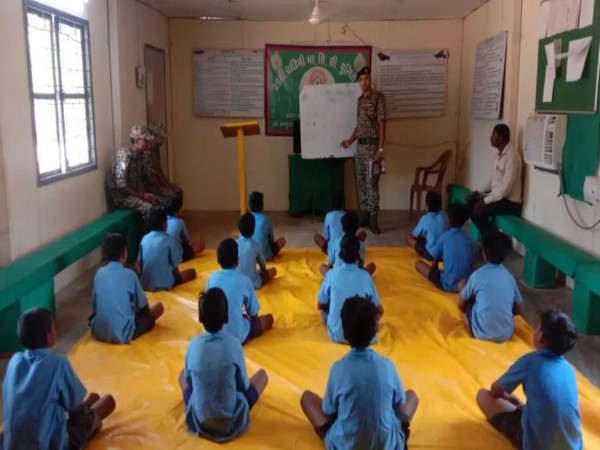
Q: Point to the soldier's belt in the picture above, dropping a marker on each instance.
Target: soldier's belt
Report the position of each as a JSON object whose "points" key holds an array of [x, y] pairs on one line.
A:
{"points": [[367, 140]]}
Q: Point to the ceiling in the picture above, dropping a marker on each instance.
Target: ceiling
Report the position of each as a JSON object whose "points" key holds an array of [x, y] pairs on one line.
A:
{"points": [[299, 10]]}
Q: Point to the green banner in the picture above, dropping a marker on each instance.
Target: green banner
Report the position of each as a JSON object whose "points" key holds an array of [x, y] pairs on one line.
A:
{"points": [[289, 67]]}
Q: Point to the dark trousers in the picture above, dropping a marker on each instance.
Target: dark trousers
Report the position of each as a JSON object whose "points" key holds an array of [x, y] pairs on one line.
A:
{"points": [[481, 218]]}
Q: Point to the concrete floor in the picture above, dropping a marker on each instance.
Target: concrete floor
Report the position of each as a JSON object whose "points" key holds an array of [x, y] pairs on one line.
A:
{"points": [[73, 301]]}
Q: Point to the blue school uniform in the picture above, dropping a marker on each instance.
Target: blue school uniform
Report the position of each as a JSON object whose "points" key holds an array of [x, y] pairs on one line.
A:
{"points": [[341, 283], [263, 234], [366, 394], [177, 229], [159, 257], [116, 296], [241, 299], [496, 293], [333, 253], [455, 249], [332, 227], [39, 389], [550, 419], [249, 254], [215, 370], [432, 225]]}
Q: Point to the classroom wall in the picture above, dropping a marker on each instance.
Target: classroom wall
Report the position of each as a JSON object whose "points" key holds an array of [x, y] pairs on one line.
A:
{"points": [[206, 164], [38, 215], [542, 204]]}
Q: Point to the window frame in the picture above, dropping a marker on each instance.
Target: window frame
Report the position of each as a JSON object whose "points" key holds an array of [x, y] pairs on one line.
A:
{"points": [[59, 96]]}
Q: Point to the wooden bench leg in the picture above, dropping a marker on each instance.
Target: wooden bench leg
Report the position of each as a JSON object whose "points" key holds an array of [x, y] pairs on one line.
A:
{"points": [[538, 273], [585, 309]]}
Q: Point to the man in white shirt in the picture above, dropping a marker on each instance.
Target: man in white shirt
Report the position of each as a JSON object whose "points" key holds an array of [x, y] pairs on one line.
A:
{"points": [[502, 193]]}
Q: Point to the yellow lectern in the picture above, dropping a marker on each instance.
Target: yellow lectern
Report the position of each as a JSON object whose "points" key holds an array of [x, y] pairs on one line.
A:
{"points": [[241, 129]]}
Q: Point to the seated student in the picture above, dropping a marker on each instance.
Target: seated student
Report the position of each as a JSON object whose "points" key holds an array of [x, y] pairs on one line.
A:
{"points": [[342, 282], [44, 402], [455, 249], [491, 297], [332, 226], [121, 312], [349, 226], [365, 405], [159, 257], [250, 254], [244, 322], [176, 228], [550, 419], [263, 232], [216, 390], [430, 227]]}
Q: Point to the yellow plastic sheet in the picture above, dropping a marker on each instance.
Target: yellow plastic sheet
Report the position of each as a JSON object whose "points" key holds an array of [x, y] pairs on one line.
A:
{"points": [[422, 332]]}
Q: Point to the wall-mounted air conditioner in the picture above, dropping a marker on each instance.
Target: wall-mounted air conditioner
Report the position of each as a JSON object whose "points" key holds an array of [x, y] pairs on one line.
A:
{"points": [[544, 141]]}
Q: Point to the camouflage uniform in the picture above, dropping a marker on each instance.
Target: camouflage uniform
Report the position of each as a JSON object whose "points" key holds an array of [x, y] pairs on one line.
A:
{"points": [[370, 112], [152, 168]]}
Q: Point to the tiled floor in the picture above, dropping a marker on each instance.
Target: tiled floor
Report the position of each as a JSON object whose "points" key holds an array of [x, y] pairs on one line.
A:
{"points": [[73, 302]]}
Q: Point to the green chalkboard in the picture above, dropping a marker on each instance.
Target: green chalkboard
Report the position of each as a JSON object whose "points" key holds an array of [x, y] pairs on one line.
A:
{"points": [[577, 96]]}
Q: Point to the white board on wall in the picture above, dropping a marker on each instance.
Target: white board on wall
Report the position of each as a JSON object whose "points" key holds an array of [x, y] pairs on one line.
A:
{"points": [[327, 117], [229, 83]]}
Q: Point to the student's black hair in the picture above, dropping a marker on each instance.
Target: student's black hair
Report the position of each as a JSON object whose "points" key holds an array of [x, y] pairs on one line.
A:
{"points": [[496, 246], [213, 309], [359, 321], [227, 253], [246, 225], [350, 222], [173, 205], [433, 200], [457, 214], [113, 246], [337, 201], [502, 130], [157, 219], [256, 201], [349, 249], [558, 330], [33, 328]]}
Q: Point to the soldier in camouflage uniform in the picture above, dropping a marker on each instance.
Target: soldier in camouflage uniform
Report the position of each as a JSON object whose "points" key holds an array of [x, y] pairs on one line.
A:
{"points": [[370, 133], [126, 187], [154, 177]]}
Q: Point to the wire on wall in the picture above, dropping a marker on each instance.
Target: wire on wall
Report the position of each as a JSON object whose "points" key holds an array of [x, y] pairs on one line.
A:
{"points": [[579, 225]]}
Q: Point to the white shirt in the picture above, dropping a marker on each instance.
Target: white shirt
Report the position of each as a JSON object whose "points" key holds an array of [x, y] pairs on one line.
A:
{"points": [[505, 181]]}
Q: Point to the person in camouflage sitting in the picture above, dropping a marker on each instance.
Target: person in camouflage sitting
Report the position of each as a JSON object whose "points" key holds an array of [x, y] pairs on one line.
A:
{"points": [[153, 174], [126, 186]]}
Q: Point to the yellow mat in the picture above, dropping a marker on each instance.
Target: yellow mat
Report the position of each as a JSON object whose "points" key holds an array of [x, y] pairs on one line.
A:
{"points": [[422, 332]]}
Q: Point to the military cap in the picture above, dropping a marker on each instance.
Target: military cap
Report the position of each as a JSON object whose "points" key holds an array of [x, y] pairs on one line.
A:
{"points": [[140, 132], [364, 71]]}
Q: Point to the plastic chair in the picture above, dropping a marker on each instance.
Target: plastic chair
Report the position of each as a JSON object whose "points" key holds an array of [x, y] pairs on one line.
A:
{"points": [[420, 184]]}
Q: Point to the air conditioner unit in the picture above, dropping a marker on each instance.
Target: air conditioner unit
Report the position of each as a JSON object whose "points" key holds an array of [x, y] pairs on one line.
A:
{"points": [[544, 141]]}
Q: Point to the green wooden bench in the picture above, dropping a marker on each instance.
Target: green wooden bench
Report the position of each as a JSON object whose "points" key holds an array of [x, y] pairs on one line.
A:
{"points": [[29, 281], [546, 253]]}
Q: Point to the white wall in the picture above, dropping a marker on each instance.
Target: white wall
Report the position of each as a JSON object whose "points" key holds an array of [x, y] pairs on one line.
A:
{"points": [[206, 164], [39, 215]]}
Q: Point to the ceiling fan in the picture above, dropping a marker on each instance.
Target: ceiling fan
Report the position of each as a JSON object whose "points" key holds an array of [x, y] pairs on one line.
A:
{"points": [[316, 18]]}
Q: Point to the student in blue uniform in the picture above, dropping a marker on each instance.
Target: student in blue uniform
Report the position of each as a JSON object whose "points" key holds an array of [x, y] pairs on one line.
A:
{"points": [[243, 321], [430, 227], [120, 307], [365, 405], [332, 226], [550, 419], [350, 223], [159, 257], [455, 249], [491, 298], [250, 254], [263, 231], [216, 390], [44, 402], [342, 282], [177, 229]]}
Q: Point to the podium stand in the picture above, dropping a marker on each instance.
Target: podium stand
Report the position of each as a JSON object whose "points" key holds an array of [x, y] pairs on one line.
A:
{"points": [[239, 130]]}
